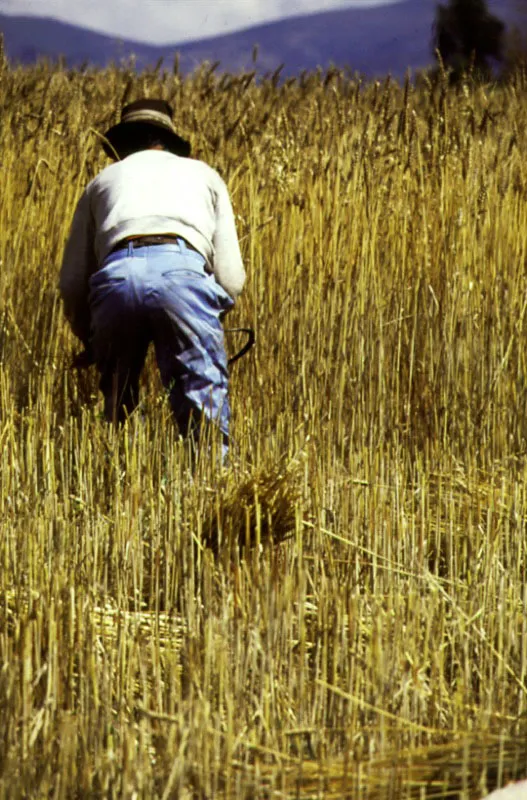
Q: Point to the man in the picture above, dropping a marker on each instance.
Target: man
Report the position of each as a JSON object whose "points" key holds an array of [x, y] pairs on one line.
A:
{"points": [[153, 256]]}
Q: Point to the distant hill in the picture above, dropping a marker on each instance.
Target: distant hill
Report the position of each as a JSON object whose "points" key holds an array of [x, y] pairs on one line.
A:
{"points": [[373, 41]]}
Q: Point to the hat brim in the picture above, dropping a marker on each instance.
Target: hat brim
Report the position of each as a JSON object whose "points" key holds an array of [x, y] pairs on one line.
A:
{"points": [[118, 136]]}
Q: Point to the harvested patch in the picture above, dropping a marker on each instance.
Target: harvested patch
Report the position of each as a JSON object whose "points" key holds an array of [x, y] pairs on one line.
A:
{"points": [[467, 768]]}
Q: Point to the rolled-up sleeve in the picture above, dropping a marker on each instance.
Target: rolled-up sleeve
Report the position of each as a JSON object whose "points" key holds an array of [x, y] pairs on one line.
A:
{"points": [[78, 264], [228, 265]]}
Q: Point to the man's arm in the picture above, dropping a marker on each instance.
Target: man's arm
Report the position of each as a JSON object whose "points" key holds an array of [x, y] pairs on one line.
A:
{"points": [[77, 265], [228, 264]]}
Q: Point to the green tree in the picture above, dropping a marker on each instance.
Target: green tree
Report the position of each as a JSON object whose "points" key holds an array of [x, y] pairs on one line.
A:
{"points": [[466, 35]]}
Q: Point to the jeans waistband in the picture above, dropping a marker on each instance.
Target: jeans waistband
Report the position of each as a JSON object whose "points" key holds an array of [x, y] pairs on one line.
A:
{"points": [[152, 241]]}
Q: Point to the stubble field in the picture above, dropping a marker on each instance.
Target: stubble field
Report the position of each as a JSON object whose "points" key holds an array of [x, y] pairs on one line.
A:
{"points": [[342, 612]]}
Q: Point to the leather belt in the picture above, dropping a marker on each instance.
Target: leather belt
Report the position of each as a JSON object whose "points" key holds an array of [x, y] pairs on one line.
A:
{"points": [[148, 241]]}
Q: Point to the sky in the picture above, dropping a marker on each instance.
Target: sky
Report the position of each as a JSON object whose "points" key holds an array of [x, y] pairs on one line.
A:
{"points": [[171, 21]]}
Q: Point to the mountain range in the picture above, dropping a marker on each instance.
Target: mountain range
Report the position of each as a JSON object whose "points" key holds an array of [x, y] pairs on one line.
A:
{"points": [[371, 41]]}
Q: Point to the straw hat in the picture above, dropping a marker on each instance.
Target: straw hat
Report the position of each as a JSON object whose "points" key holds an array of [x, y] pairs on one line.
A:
{"points": [[143, 115]]}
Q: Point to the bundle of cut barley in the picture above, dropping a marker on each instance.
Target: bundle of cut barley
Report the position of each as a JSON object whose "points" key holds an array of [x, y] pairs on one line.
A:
{"points": [[257, 510]]}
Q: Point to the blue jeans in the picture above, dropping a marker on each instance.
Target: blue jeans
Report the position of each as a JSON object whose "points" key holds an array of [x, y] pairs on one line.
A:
{"points": [[161, 294]]}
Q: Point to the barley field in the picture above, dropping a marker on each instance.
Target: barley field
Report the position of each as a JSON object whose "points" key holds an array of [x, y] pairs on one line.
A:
{"points": [[341, 613]]}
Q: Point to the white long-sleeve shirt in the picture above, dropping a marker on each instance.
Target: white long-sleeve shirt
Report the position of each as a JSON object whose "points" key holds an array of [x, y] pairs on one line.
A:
{"points": [[150, 192]]}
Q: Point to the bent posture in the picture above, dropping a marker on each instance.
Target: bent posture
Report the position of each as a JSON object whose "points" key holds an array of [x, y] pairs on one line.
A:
{"points": [[153, 256]]}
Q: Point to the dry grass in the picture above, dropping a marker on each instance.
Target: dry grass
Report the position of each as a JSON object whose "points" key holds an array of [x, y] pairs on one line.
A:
{"points": [[380, 649]]}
